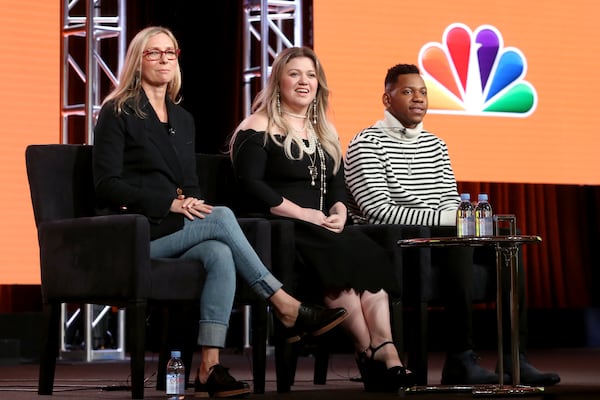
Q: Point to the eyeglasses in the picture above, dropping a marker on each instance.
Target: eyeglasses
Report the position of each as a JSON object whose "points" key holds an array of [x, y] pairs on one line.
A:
{"points": [[155, 54]]}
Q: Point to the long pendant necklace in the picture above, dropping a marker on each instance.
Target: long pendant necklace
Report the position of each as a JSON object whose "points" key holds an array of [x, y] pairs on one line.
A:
{"points": [[323, 186], [412, 159], [310, 151], [395, 131], [314, 150], [312, 169]]}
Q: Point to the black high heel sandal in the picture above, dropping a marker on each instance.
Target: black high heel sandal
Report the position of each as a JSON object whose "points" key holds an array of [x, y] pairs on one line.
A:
{"points": [[377, 378], [371, 371]]}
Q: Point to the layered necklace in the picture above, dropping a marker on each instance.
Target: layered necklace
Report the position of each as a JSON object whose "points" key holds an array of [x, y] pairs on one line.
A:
{"points": [[313, 149], [311, 139], [316, 170], [310, 152]]}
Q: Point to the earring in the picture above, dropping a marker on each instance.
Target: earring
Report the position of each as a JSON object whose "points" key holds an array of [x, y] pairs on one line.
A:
{"points": [[278, 104], [315, 111]]}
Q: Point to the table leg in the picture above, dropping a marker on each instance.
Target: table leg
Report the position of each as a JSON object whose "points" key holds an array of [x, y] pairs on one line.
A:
{"points": [[514, 314], [499, 316], [507, 257]]}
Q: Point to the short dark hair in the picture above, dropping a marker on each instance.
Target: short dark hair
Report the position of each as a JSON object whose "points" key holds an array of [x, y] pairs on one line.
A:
{"points": [[399, 69]]}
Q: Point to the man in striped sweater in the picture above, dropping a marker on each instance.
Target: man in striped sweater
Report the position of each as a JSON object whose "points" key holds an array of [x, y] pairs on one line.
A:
{"points": [[398, 173]]}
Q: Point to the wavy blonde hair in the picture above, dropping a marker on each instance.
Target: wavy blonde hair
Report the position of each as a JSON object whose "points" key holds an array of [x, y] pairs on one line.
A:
{"points": [[266, 101], [130, 84]]}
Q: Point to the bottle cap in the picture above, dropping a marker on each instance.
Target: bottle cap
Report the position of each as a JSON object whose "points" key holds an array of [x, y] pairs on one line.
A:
{"points": [[482, 197], [465, 196], [175, 354]]}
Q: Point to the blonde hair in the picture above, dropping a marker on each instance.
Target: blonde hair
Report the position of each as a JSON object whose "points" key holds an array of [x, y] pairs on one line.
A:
{"points": [[266, 101], [130, 85]]}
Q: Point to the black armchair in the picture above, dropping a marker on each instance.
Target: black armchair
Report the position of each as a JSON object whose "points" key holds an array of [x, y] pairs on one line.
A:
{"points": [[102, 259]]}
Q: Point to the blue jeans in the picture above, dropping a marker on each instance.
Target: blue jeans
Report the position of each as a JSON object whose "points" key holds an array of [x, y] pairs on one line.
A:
{"points": [[219, 242]]}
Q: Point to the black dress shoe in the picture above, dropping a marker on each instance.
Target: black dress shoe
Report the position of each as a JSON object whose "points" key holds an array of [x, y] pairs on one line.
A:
{"points": [[464, 369], [529, 374], [314, 320], [220, 384]]}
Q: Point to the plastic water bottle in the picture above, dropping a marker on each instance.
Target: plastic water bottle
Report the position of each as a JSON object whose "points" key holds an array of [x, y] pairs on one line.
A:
{"points": [[465, 216], [175, 377], [484, 224]]}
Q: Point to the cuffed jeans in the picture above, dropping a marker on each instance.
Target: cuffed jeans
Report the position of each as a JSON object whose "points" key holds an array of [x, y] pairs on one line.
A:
{"points": [[219, 242]]}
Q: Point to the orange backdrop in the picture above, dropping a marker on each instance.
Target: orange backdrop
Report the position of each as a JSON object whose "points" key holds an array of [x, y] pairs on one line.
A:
{"points": [[557, 143], [357, 44], [30, 113]]}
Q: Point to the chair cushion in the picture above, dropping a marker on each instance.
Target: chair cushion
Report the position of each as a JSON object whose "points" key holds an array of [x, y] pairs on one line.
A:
{"points": [[176, 279]]}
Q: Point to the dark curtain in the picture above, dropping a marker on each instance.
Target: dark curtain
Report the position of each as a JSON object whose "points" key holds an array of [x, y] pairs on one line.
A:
{"points": [[562, 271], [210, 35]]}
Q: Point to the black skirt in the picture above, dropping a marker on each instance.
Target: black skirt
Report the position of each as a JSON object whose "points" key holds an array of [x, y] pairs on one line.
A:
{"points": [[327, 260]]}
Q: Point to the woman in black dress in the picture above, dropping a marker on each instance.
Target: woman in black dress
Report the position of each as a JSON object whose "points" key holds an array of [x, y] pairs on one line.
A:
{"points": [[288, 162]]}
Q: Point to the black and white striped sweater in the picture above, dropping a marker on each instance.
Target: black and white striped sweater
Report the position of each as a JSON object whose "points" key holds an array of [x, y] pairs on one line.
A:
{"points": [[399, 176]]}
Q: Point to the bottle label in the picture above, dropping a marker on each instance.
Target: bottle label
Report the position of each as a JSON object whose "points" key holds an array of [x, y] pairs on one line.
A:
{"points": [[484, 221], [485, 227], [465, 218], [465, 226], [175, 383]]}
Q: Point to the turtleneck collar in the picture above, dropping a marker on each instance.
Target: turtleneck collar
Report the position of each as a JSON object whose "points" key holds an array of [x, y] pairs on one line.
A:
{"points": [[394, 128]]}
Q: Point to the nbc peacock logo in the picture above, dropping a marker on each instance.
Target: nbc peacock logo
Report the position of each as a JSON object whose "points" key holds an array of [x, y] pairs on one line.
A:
{"points": [[472, 73]]}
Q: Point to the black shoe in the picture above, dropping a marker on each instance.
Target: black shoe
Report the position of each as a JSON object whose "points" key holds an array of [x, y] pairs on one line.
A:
{"points": [[398, 377], [464, 369], [529, 374], [377, 378], [371, 372], [220, 384], [314, 320]]}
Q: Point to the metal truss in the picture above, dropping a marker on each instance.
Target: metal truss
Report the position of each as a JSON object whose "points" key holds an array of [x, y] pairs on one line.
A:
{"points": [[92, 332], [87, 25], [270, 26], [87, 28]]}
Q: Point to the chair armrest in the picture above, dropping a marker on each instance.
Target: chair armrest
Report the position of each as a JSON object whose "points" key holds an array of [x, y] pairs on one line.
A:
{"points": [[102, 257], [283, 253], [258, 233]]}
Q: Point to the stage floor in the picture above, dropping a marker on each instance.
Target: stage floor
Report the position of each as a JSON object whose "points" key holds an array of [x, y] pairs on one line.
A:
{"points": [[579, 369]]}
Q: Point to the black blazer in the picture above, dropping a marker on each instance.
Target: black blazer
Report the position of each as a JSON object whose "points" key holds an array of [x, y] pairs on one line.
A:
{"points": [[140, 164]]}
